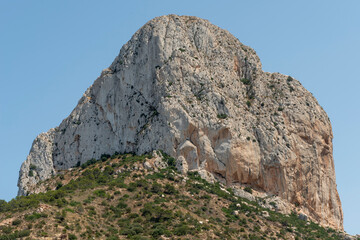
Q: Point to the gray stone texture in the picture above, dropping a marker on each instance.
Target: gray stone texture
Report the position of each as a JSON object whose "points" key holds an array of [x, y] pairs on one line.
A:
{"points": [[196, 92]]}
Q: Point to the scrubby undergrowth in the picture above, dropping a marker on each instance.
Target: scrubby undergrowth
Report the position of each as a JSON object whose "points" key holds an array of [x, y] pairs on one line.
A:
{"points": [[117, 198]]}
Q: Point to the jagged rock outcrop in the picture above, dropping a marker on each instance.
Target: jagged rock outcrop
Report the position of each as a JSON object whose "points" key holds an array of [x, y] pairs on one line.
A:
{"points": [[38, 165], [193, 90]]}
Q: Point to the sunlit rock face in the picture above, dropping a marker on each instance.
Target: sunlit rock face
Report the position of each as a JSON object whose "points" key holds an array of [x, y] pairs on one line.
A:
{"points": [[195, 91]]}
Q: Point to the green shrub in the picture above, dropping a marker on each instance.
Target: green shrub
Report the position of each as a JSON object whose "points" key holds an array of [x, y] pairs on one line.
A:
{"points": [[32, 167], [121, 205], [44, 234], [248, 189], [108, 170], [7, 229], [88, 163], [155, 213], [157, 231], [132, 229], [245, 81], [222, 116], [104, 157], [100, 193], [15, 235], [3, 205], [113, 238], [169, 189], [58, 185], [72, 237], [156, 188], [169, 160], [181, 230], [16, 222], [35, 216], [142, 183], [131, 187], [273, 204]]}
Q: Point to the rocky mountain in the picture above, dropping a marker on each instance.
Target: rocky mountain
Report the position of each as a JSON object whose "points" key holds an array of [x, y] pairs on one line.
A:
{"points": [[193, 90]]}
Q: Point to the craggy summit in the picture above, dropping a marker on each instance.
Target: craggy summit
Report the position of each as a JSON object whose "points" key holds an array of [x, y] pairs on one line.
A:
{"points": [[193, 90]]}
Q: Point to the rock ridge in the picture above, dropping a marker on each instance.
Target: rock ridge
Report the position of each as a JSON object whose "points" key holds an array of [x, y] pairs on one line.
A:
{"points": [[193, 90]]}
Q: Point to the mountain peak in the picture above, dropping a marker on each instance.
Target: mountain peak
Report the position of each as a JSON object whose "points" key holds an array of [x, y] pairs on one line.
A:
{"points": [[193, 90]]}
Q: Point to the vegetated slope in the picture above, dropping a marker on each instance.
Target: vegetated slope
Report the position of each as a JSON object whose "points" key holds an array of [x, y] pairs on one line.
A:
{"points": [[144, 197]]}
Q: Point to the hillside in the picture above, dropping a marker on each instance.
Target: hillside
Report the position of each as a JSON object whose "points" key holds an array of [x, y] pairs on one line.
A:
{"points": [[125, 196]]}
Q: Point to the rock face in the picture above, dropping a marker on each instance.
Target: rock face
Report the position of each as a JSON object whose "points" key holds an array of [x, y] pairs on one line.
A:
{"points": [[193, 90]]}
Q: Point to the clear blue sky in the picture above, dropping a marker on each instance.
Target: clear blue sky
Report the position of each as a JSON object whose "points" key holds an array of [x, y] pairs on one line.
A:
{"points": [[51, 51]]}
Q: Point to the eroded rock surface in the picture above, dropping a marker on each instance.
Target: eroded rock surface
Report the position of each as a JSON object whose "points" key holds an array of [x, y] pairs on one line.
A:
{"points": [[193, 90]]}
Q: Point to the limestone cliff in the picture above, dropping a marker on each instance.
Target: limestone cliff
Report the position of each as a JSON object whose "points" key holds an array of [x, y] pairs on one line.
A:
{"points": [[193, 90]]}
